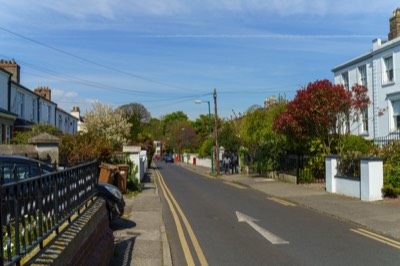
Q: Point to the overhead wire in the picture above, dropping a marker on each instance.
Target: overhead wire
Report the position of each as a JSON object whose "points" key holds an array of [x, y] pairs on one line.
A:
{"points": [[93, 62]]}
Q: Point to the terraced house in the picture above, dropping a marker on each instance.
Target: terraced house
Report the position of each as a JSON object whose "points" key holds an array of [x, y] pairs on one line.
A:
{"points": [[379, 71], [20, 107]]}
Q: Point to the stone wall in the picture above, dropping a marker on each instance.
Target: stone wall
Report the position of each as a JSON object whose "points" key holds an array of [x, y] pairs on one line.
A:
{"points": [[87, 240]]}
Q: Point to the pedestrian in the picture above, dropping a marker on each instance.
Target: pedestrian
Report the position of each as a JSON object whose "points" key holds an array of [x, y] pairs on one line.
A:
{"points": [[235, 163], [227, 162], [232, 160]]}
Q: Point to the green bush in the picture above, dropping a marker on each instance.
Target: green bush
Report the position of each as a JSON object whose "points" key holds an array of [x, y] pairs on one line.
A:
{"points": [[306, 175], [391, 169], [349, 164], [204, 150], [359, 144]]}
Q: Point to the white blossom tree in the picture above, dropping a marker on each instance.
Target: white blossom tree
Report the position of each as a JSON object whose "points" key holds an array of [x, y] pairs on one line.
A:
{"points": [[106, 122]]}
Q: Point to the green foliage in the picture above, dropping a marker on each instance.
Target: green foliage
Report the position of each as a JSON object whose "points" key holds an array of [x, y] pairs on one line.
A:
{"points": [[229, 136], [170, 119], [349, 164], [23, 137], [263, 143], [306, 175], [202, 126], [391, 169], [75, 149], [358, 143], [133, 184], [204, 150]]}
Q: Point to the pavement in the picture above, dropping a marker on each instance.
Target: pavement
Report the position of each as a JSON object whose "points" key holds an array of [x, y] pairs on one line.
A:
{"points": [[140, 237]]}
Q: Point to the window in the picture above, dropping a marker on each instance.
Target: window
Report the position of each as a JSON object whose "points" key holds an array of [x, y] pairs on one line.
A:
{"points": [[388, 70], [8, 135], [364, 120], [49, 114], [33, 118], [396, 114], [345, 80], [362, 70], [40, 112], [60, 122], [21, 104]]}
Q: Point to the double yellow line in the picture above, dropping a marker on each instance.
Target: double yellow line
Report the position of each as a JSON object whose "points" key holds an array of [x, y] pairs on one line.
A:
{"points": [[377, 237], [283, 202], [178, 214]]}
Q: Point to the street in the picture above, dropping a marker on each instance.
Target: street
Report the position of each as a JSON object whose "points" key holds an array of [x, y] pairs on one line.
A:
{"points": [[219, 223]]}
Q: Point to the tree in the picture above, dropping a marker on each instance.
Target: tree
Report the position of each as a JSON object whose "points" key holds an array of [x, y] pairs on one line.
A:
{"points": [[322, 110], [229, 136], [172, 118], [202, 126], [75, 149], [136, 110], [137, 115], [263, 143], [103, 121], [153, 129]]}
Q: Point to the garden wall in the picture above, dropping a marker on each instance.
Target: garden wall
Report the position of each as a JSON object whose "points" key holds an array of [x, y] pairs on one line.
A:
{"points": [[368, 187]]}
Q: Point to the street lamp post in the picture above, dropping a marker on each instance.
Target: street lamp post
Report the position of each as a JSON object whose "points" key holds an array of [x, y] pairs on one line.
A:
{"points": [[209, 125]]}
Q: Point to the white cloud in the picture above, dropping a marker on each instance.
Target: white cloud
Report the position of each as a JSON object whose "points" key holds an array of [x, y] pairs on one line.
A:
{"points": [[125, 9], [61, 94]]}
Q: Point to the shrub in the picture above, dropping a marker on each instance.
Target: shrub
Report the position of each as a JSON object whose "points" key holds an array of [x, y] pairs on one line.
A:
{"points": [[391, 169], [75, 149], [349, 164], [306, 175]]}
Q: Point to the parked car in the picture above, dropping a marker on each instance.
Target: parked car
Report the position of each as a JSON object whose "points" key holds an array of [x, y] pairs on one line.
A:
{"points": [[114, 200], [14, 168]]}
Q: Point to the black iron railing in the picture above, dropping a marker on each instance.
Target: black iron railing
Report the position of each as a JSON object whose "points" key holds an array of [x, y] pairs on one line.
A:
{"points": [[393, 136], [34, 208], [298, 165]]}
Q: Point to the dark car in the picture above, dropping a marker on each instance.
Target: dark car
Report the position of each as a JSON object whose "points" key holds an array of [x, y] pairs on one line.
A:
{"points": [[14, 168], [114, 200], [169, 159]]}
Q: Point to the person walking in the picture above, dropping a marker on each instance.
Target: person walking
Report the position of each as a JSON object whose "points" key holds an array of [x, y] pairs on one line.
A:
{"points": [[227, 162], [235, 163]]}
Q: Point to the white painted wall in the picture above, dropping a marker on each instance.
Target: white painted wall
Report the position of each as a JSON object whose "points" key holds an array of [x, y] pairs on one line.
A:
{"points": [[380, 112], [368, 188]]}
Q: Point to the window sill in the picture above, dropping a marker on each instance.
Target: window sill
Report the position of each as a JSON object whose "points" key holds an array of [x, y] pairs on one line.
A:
{"points": [[387, 84]]}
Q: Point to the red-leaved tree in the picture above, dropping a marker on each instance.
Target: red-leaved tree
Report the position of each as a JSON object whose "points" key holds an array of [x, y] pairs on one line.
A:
{"points": [[322, 110]]}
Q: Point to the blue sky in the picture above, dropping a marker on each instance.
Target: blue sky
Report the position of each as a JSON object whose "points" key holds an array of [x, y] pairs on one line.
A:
{"points": [[166, 54]]}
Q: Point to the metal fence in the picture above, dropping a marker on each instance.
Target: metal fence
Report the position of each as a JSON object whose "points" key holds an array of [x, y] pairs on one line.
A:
{"points": [[393, 136], [296, 165], [34, 208]]}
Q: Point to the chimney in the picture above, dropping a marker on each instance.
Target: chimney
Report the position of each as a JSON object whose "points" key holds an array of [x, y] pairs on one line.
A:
{"points": [[394, 25], [12, 67], [76, 112], [45, 92]]}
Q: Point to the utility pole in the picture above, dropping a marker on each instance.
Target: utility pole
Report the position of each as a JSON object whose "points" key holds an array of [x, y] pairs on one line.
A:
{"points": [[216, 132]]}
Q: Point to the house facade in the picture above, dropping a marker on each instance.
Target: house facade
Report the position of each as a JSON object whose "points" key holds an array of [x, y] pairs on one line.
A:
{"points": [[379, 71], [20, 107]]}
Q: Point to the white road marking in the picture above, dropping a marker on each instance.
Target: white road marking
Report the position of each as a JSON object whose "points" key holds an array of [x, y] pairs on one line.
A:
{"points": [[274, 239]]}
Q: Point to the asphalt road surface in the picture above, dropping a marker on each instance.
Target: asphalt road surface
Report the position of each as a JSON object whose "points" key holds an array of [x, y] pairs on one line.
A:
{"points": [[209, 222]]}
